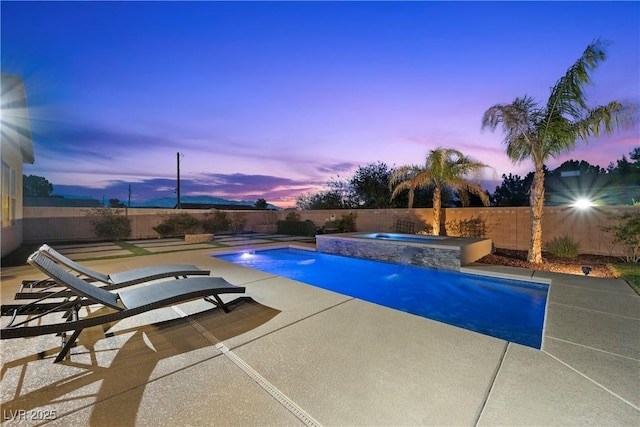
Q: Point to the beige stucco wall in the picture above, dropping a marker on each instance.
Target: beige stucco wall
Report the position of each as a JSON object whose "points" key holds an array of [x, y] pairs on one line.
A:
{"points": [[507, 227]]}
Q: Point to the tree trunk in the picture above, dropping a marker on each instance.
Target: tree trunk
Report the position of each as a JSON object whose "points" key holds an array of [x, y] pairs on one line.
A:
{"points": [[437, 204], [537, 205]]}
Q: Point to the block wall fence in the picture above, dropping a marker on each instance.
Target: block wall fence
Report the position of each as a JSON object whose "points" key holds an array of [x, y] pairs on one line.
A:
{"points": [[508, 227]]}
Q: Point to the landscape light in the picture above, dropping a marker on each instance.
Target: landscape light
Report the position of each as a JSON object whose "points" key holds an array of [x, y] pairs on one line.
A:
{"points": [[583, 203]]}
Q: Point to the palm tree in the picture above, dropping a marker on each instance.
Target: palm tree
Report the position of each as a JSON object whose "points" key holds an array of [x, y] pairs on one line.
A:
{"points": [[537, 133], [444, 167]]}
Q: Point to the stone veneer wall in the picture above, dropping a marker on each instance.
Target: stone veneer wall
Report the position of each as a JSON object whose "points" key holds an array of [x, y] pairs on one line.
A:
{"points": [[390, 251]]}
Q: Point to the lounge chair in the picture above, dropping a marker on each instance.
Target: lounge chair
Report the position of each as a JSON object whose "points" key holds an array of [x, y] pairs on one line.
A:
{"points": [[109, 281], [126, 303]]}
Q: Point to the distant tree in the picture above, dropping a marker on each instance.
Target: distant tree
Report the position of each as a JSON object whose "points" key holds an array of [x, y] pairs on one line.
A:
{"points": [[624, 178], [444, 167], [338, 194], [260, 204], [625, 171], [585, 168], [329, 199], [36, 186], [370, 185], [514, 191], [116, 203], [534, 132], [474, 200]]}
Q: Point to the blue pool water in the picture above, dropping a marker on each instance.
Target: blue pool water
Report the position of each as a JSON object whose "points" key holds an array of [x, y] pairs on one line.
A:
{"points": [[509, 309]]}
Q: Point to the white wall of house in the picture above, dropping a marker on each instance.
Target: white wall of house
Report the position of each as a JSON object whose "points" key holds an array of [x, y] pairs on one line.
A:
{"points": [[16, 148], [12, 231]]}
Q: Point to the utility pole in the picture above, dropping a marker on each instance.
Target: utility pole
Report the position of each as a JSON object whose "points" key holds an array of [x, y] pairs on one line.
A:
{"points": [[129, 203], [178, 206]]}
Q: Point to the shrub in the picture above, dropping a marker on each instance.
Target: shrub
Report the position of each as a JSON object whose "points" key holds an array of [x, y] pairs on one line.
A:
{"points": [[237, 221], [627, 234], [347, 223], [292, 216], [216, 222], [110, 223], [563, 247], [426, 231], [472, 227], [297, 228], [270, 217], [177, 225]]}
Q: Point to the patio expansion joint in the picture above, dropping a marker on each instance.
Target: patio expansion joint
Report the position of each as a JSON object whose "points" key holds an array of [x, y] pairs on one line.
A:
{"points": [[592, 349], [493, 381], [596, 311], [267, 386], [614, 394]]}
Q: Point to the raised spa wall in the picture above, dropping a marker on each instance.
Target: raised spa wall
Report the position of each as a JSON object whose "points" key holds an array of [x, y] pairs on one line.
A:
{"points": [[447, 253]]}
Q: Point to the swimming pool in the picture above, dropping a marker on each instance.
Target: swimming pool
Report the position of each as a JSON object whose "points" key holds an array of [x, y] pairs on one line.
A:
{"points": [[512, 310]]}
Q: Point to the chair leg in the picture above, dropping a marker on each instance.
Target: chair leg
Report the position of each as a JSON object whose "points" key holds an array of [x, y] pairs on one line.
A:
{"points": [[67, 344], [70, 315], [218, 302]]}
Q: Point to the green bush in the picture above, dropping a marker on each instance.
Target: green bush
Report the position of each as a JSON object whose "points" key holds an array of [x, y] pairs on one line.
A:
{"points": [[270, 217], [563, 247], [297, 228], [110, 223], [237, 221], [347, 223], [292, 216], [216, 222], [472, 227], [627, 235], [175, 225]]}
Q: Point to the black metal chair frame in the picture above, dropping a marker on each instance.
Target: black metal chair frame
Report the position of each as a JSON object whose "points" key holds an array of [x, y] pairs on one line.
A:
{"points": [[80, 293]]}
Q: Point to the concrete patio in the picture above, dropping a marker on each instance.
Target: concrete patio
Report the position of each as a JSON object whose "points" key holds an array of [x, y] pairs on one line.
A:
{"points": [[294, 354]]}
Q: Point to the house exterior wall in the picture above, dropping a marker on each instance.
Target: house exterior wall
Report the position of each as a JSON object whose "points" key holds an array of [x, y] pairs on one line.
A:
{"points": [[11, 189], [16, 149], [508, 227]]}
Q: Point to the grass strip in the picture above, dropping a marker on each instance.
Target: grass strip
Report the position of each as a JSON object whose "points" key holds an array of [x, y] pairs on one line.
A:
{"points": [[136, 250], [629, 271]]}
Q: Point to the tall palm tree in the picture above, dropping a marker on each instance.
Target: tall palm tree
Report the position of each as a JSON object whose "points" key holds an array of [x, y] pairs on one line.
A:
{"points": [[539, 132], [444, 167]]}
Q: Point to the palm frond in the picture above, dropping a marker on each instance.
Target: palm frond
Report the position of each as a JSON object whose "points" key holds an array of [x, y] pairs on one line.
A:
{"points": [[607, 118], [403, 173], [400, 187], [567, 96], [519, 122]]}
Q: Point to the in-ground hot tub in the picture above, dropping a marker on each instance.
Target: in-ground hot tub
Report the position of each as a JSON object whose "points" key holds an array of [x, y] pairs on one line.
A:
{"points": [[443, 252], [398, 237]]}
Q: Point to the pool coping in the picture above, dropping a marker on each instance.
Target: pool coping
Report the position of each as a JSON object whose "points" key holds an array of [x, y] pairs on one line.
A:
{"points": [[509, 275]]}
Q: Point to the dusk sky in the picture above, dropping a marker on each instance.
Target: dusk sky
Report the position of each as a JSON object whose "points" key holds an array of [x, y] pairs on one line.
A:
{"points": [[271, 99]]}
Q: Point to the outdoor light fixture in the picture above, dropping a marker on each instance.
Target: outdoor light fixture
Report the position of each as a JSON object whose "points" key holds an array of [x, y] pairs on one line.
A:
{"points": [[583, 203], [586, 270]]}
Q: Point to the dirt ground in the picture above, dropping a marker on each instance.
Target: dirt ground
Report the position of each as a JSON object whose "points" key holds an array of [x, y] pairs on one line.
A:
{"points": [[599, 264]]}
